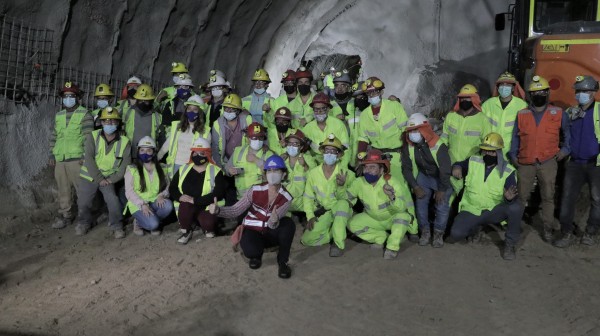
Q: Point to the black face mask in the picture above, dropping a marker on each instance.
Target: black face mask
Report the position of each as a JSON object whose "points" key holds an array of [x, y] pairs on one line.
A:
{"points": [[342, 96], [282, 128], [199, 160], [490, 160], [145, 107], [289, 89], [539, 101], [304, 89], [361, 103], [465, 105], [131, 92]]}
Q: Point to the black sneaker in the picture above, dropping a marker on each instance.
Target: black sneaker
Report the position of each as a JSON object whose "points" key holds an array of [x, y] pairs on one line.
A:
{"points": [[587, 239], [285, 272], [508, 253], [255, 263], [185, 237]]}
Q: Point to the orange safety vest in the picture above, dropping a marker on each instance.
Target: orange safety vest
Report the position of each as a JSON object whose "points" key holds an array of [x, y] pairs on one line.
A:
{"points": [[539, 143]]}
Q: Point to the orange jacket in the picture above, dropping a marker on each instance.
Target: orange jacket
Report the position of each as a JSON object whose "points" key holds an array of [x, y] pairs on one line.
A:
{"points": [[538, 143]]}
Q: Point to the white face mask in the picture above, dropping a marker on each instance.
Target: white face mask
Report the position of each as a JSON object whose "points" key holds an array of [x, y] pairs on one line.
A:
{"points": [[102, 103], [229, 115], [415, 136], [256, 144], [292, 151], [216, 92], [320, 117], [274, 177]]}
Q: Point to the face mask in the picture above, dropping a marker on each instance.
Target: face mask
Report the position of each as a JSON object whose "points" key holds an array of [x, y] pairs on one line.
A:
{"points": [[102, 103], [256, 144], [282, 128], [304, 89], [69, 102], [145, 107], [145, 157], [465, 105], [131, 92], [199, 160], [289, 89], [415, 137], [216, 93], [374, 100], [583, 98], [320, 117], [342, 96], [292, 151], [370, 178], [330, 159], [539, 101], [183, 93], [504, 91], [361, 103], [191, 116], [229, 115], [489, 160], [109, 129], [274, 177], [259, 91]]}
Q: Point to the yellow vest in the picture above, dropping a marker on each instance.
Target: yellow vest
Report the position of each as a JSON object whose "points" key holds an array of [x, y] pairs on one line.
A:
{"points": [[252, 174], [207, 186], [173, 143], [69, 138], [108, 163], [411, 154], [152, 188], [463, 135], [386, 132], [502, 121]]}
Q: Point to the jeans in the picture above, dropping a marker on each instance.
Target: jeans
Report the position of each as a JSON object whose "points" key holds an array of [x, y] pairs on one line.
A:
{"points": [[576, 175], [152, 222], [253, 243], [430, 185]]}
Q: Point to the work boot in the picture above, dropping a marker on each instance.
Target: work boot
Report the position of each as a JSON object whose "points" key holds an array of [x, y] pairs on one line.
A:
{"points": [[335, 251], [119, 233], [389, 254], [547, 235], [61, 222], [255, 263], [475, 238], [81, 229], [425, 237], [137, 230], [438, 238], [284, 272], [185, 237], [587, 239], [413, 238], [509, 253], [564, 241]]}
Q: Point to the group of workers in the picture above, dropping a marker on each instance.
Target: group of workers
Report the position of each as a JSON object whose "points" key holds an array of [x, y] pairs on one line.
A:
{"points": [[342, 161]]}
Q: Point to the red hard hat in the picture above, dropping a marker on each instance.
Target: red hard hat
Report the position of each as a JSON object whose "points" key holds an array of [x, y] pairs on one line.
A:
{"points": [[255, 129], [321, 98], [288, 75], [376, 156], [303, 73], [283, 113], [70, 87], [296, 133]]}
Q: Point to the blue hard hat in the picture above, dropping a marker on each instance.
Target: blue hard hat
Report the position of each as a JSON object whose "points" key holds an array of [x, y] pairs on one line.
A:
{"points": [[274, 162]]}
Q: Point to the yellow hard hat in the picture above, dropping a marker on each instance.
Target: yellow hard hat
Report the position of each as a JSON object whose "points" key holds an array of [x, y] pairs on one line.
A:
{"points": [[103, 90], [538, 83], [332, 141], [506, 77], [261, 75], [467, 90], [492, 141], [177, 67], [232, 100], [110, 113], [144, 92]]}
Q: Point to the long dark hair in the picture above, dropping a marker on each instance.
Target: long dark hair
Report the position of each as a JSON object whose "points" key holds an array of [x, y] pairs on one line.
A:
{"points": [[161, 174], [198, 125]]}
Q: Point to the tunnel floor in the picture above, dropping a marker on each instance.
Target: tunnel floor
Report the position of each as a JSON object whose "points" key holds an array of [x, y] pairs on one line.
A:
{"points": [[54, 283]]}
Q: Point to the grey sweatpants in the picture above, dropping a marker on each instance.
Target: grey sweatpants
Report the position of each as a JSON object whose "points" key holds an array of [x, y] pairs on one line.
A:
{"points": [[85, 198]]}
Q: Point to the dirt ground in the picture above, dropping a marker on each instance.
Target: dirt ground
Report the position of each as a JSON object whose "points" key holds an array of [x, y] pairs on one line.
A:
{"points": [[54, 283]]}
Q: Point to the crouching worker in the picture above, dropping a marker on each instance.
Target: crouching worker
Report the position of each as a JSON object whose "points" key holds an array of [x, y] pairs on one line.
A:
{"points": [[193, 189], [146, 190], [490, 194], [107, 154], [264, 225], [385, 207], [326, 201]]}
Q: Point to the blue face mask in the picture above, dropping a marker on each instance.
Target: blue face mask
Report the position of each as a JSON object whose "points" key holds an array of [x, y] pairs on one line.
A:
{"points": [[583, 98], [69, 101], [145, 157], [504, 91], [374, 100], [109, 129], [259, 91], [183, 93], [292, 150], [191, 116], [330, 159], [371, 178], [102, 103]]}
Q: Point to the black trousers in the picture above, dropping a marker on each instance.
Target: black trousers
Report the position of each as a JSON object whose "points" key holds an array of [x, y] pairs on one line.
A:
{"points": [[576, 175], [253, 243]]}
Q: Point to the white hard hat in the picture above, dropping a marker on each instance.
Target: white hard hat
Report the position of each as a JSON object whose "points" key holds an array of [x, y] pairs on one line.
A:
{"points": [[184, 79], [146, 142], [217, 80], [332, 69], [216, 73], [195, 100], [134, 80], [200, 143], [417, 119]]}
